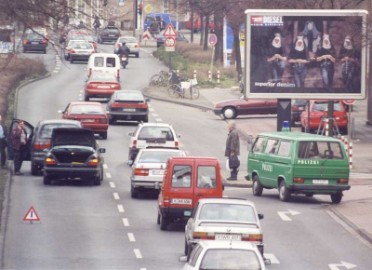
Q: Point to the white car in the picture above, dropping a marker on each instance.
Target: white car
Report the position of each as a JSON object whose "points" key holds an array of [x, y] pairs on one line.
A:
{"points": [[224, 219], [152, 135], [131, 42], [149, 167], [224, 255]]}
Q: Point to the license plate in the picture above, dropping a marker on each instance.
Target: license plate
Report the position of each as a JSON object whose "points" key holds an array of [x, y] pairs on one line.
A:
{"points": [[129, 110], [228, 237], [103, 86], [320, 182], [157, 172], [181, 201], [88, 120]]}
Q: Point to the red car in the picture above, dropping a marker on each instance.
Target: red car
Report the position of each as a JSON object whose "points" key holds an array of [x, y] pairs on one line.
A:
{"points": [[92, 115], [101, 85], [230, 109], [310, 121]]}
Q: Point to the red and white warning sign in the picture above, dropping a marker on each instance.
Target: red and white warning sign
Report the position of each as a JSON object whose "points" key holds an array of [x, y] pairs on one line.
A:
{"points": [[31, 215]]}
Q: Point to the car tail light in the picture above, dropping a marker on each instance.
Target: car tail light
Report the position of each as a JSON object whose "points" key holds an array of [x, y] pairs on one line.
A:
{"points": [[72, 51], [25, 41], [93, 162], [141, 172], [45, 41], [41, 145], [298, 180], [136, 46], [203, 235], [50, 161], [103, 120], [343, 181], [252, 237]]}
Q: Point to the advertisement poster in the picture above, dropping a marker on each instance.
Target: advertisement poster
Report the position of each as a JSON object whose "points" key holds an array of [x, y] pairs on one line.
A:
{"points": [[306, 53]]}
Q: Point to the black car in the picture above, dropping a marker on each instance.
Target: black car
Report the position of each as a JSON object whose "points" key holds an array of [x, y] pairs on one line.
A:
{"points": [[108, 34], [74, 155], [35, 42]]}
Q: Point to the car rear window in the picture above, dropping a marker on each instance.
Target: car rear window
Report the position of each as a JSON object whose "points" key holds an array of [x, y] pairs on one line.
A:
{"points": [[157, 157], [111, 31], [128, 39], [225, 211], [230, 259], [206, 177], [156, 133], [321, 107], [46, 130], [320, 150], [129, 96], [87, 109]]}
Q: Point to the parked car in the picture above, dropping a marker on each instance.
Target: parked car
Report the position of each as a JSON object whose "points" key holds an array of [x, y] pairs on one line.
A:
{"points": [[40, 142], [101, 85], [224, 255], [91, 115], [80, 51], [160, 38], [298, 106], [108, 34], [74, 155], [224, 219], [186, 181], [131, 42], [149, 167], [128, 105], [312, 120], [34, 41], [230, 109], [149, 135]]}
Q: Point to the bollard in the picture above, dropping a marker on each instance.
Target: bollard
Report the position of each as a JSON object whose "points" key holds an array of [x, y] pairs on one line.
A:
{"points": [[346, 144], [326, 127], [218, 76], [351, 155], [209, 75], [194, 73]]}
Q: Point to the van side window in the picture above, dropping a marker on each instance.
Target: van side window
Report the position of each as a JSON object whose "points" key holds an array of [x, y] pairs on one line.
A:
{"points": [[181, 176], [98, 61], [284, 149], [206, 177], [259, 145], [271, 146], [320, 150]]}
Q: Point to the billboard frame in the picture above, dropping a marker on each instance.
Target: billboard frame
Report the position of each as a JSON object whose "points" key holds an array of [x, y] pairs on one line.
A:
{"points": [[302, 94]]}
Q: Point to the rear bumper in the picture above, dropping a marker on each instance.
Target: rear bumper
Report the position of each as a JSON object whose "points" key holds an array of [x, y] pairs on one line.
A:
{"points": [[81, 57], [127, 115], [176, 213], [146, 184], [70, 172]]}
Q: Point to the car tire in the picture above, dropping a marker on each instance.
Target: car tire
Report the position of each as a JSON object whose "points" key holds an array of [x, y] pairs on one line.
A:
{"points": [[302, 128], [86, 98], [229, 113], [137, 55], [257, 188], [133, 192], [104, 135], [336, 197], [284, 193], [35, 169], [187, 248], [98, 179], [45, 51], [158, 219], [112, 120], [145, 119], [163, 223], [71, 60], [47, 180]]}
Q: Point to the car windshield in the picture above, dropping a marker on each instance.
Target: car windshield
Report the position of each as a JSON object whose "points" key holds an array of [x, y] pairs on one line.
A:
{"points": [[230, 212], [129, 96], [87, 109], [230, 259], [156, 133], [82, 46], [323, 106], [156, 156], [46, 130]]}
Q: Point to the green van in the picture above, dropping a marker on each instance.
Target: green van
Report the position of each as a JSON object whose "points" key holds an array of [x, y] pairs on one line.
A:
{"points": [[298, 163]]}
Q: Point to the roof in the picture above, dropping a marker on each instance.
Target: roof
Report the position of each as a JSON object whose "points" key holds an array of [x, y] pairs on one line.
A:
{"points": [[226, 244], [298, 136], [227, 200], [152, 124], [57, 121]]}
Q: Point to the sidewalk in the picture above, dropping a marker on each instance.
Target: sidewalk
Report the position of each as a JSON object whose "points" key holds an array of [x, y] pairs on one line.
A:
{"points": [[356, 206]]}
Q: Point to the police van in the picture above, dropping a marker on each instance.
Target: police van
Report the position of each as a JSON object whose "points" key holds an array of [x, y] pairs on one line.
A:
{"points": [[298, 163]]}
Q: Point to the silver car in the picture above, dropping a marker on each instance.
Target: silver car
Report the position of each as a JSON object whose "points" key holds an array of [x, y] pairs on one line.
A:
{"points": [[149, 167], [224, 219]]}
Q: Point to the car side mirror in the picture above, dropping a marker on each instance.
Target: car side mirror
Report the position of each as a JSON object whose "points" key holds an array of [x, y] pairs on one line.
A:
{"points": [[130, 134], [60, 111], [101, 150], [260, 216], [148, 99]]}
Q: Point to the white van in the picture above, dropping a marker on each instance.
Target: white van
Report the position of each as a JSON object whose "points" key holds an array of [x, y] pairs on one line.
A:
{"points": [[104, 62]]}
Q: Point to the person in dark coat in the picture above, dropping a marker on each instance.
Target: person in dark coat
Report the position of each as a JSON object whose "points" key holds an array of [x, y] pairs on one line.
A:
{"points": [[19, 140], [232, 150]]}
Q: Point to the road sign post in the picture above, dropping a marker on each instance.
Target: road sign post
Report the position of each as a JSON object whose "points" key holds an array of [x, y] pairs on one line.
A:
{"points": [[170, 36], [212, 40]]}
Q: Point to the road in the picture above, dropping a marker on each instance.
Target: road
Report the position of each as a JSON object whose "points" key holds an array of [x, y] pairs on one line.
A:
{"points": [[90, 227]]}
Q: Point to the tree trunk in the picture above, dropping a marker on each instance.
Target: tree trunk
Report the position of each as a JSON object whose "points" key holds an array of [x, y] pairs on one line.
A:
{"points": [[206, 32], [218, 30]]}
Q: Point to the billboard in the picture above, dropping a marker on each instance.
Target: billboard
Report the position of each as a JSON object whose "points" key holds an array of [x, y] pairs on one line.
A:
{"points": [[310, 54]]}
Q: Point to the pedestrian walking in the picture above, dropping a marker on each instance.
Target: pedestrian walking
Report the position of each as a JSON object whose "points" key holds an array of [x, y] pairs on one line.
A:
{"points": [[232, 150], [3, 143], [19, 139]]}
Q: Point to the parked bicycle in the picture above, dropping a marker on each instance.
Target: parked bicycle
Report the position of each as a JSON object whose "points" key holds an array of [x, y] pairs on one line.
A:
{"points": [[181, 88], [160, 79]]}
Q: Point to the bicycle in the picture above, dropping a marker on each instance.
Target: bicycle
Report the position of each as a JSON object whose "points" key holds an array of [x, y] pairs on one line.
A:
{"points": [[160, 79], [180, 89]]}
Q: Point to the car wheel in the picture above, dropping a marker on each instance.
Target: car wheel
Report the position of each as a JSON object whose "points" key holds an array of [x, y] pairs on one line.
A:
{"points": [[257, 188], [71, 60], [158, 219], [34, 169], [302, 128], [104, 135], [98, 179], [86, 98], [284, 193], [336, 197], [187, 248], [45, 51], [112, 120], [133, 192], [229, 113], [163, 223], [145, 119], [47, 180]]}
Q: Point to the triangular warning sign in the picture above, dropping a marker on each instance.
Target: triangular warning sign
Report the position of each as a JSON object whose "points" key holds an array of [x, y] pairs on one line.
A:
{"points": [[31, 215], [169, 31]]}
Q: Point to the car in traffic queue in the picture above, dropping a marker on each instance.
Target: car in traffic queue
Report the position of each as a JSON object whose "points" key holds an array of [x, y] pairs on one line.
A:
{"points": [[226, 219], [160, 38], [82, 34], [224, 255], [101, 85], [297, 107], [186, 181], [74, 155], [35, 40], [149, 167], [131, 42], [298, 163], [92, 115], [316, 112], [104, 63], [152, 135], [128, 105], [40, 142], [230, 109], [79, 51], [108, 34]]}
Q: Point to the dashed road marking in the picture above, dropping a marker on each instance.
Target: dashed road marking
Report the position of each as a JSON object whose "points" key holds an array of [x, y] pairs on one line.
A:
{"points": [[112, 185], [126, 222], [120, 208], [272, 258], [158, 120], [116, 196], [137, 253], [131, 237], [105, 166], [108, 175]]}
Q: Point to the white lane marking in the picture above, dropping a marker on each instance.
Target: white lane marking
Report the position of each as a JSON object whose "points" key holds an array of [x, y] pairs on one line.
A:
{"points": [[155, 114], [131, 237], [356, 175], [151, 109], [143, 269], [116, 196], [337, 266], [126, 222], [137, 253], [120, 208], [112, 185], [284, 214], [105, 166], [272, 258], [158, 120], [108, 175]]}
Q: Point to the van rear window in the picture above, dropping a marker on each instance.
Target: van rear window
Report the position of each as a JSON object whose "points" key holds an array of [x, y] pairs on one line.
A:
{"points": [[206, 177], [181, 176], [320, 150]]}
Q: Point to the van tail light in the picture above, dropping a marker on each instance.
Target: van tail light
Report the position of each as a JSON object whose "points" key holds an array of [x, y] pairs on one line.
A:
{"points": [[203, 235], [41, 145], [50, 161], [298, 180], [342, 181], [252, 237], [93, 162], [141, 172]]}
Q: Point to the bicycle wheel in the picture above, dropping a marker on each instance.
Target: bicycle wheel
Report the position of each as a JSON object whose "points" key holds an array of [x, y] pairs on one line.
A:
{"points": [[154, 80], [172, 91], [194, 92]]}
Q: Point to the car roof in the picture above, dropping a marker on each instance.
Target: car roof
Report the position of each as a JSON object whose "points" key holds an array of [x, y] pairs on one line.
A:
{"points": [[154, 124], [160, 150], [227, 244], [105, 55], [226, 200], [86, 103], [298, 136], [59, 121]]}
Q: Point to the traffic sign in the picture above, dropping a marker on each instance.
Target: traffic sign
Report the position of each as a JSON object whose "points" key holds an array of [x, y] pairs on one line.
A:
{"points": [[31, 215], [212, 39], [146, 35], [170, 44], [348, 101], [169, 31]]}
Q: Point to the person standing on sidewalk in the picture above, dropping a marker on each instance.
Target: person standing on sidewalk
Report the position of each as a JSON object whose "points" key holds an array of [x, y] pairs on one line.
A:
{"points": [[232, 150], [3, 143], [19, 139]]}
